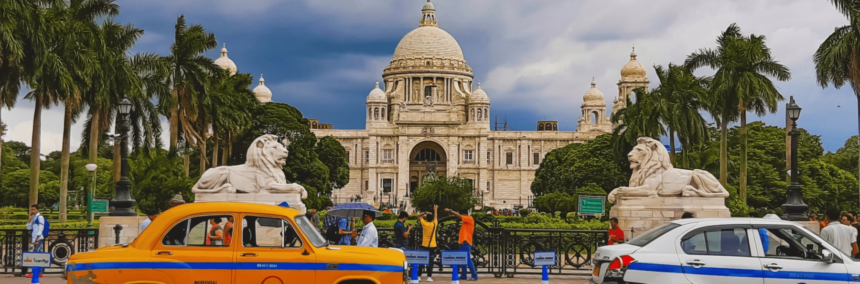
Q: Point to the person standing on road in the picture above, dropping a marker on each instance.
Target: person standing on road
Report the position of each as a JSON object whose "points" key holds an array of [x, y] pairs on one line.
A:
{"points": [[401, 231], [616, 235], [467, 228], [36, 225], [429, 222], [369, 235], [345, 232], [837, 234]]}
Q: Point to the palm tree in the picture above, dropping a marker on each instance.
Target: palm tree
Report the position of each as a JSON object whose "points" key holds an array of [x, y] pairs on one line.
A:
{"points": [[230, 104], [722, 105], [641, 118], [189, 72], [744, 68], [678, 100], [837, 59], [18, 23]]}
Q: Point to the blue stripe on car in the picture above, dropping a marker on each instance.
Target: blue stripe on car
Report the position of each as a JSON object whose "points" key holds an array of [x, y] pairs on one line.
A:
{"points": [[231, 265], [732, 272]]}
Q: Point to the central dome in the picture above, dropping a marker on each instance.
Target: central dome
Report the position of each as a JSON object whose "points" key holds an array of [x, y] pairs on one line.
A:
{"points": [[428, 42]]}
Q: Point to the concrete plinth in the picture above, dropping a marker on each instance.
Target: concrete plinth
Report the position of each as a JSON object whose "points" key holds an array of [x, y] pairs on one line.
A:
{"points": [[811, 225], [130, 229], [294, 200], [637, 215]]}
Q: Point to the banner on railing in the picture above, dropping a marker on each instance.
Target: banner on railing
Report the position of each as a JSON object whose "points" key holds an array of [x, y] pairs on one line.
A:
{"points": [[420, 257], [35, 259], [455, 257]]}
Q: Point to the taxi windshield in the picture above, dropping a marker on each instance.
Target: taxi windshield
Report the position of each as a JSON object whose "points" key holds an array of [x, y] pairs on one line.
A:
{"points": [[311, 232]]}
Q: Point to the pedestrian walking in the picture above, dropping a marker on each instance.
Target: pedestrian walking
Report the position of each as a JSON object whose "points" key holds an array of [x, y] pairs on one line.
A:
{"points": [[369, 235], [401, 231], [467, 228], [616, 235], [36, 225], [429, 222], [839, 235]]}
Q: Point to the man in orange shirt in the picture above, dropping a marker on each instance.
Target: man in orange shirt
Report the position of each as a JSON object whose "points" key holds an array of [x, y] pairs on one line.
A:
{"points": [[616, 235], [466, 243]]}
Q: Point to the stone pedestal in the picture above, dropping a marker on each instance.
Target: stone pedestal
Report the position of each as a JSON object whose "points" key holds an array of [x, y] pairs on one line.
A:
{"points": [[637, 215], [813, 226], [130, 229], [293, 199]]}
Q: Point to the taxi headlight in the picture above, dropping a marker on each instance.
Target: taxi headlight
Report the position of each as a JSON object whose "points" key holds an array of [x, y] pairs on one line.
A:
{"points": [[405, 271]]}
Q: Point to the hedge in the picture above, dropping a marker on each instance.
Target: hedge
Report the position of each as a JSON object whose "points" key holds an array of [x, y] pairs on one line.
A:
{"points": [[66, 225]]}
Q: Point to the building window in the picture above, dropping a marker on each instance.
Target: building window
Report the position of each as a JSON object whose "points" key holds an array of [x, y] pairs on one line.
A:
{"points": [[540, 127], [537, 159], [488, 186], [386, 185], [427, 155], [509, 157], [366, 185], [488, 156], [347, 157], [387, 156], [367, 157], [468, 155]]}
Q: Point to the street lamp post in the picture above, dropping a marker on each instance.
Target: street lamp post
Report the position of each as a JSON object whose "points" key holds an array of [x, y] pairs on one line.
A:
{"points": [[123, 201], [92, 168], [794, 207]]}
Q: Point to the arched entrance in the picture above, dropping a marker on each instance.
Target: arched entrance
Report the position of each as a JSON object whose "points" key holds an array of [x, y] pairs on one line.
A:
{"points": [[426, 156]]}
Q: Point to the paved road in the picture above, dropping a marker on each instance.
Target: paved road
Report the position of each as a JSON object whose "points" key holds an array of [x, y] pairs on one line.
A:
{"points": [[524, 279]]}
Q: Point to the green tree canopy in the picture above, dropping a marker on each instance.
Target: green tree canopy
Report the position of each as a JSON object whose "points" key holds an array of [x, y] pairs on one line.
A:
{"points": [[157, 177], [845, 158], [578, 165], [453, 192]]}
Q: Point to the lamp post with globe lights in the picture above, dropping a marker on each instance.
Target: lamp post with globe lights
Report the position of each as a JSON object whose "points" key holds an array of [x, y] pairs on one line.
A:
{"points": [[92, 168], [794, 207], [123, 201]]}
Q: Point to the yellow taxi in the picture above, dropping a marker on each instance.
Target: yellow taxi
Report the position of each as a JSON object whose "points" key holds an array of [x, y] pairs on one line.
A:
{"points": [[261, 244]]}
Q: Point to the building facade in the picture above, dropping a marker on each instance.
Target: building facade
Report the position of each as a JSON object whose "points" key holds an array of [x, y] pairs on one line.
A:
{"points": [[431, 116]]}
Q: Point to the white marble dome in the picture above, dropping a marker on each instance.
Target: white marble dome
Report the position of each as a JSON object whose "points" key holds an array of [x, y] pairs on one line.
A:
{"points": [[377, 95], [428, 6], [261, 92], [593, 96], [633, 68], [479, 96], [225, 63], [428, 42]]}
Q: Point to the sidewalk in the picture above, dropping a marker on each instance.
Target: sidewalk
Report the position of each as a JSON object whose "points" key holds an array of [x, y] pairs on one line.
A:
{"points": [[486, 278]]}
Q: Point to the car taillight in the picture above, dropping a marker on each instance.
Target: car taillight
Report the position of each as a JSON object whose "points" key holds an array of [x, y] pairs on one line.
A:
{"points": [[621, 262]]}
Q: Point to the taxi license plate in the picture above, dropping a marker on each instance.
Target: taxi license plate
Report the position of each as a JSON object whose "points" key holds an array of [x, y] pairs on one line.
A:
{"points": [[596, 271]]}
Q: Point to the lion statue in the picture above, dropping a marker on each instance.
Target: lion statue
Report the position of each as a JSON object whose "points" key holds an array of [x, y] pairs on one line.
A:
{"points": [[654, 175], [261, 172]]}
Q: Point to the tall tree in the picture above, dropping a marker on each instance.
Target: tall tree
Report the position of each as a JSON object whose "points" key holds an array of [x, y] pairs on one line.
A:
{"points": [[641, 118], [837, 59], [229, 108], [722, 105], [678, 100], [18, 23], [744, 66], [189, 72]]}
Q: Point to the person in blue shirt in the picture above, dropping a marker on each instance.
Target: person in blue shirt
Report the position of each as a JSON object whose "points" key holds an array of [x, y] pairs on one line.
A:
{"points": [[344, 231], [36, 225], [401, 232]]}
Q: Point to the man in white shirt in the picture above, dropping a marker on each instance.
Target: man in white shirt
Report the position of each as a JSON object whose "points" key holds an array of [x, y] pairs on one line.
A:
{"points": [[36, 225], [369, 235], [840, 236]]}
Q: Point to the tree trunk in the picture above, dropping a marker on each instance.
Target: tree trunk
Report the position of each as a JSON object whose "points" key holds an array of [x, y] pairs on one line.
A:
{"points": [[174, 122], [186, 162], [35, 147], [202, 147], [94, 137], [223, 156], [215, 149], [724, 151], [672, 146], [64, 162], [743, 175], [1, 143], [117, 159]]}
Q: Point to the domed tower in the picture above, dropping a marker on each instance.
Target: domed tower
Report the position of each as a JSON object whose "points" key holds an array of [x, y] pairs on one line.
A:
{"points": [[261, 92], [479, 108], [427, 71], [632, 77], [225, 63], [593, 112], [377, 107]]}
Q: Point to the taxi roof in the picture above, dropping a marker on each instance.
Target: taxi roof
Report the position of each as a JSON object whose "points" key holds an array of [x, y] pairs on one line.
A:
{"points": [[729, 220], [196, 208]]}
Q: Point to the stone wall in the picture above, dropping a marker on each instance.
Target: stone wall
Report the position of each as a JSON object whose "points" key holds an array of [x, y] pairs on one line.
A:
{"points": [[637, 215], [130, 229]]}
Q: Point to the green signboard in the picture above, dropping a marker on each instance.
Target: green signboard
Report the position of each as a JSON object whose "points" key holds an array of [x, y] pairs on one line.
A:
{"points": [[591, 205], [100, 206]]}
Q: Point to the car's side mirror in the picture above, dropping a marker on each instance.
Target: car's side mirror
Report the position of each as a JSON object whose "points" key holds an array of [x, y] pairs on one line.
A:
{"points": [[827, 256]]}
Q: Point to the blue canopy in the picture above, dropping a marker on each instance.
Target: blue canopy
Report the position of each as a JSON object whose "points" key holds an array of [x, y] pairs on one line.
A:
{"points": [[353, 210]]}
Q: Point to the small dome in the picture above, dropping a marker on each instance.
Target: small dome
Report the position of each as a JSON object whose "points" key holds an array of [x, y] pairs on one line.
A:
{"points": [[261, 92], [479, 96], [225, 63], [428, 6], [377, 95], [594, 96], [633, 68]]}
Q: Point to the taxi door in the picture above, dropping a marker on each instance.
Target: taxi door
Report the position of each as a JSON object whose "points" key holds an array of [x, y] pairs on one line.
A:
{"points": [[793, 256], [271, 251], [184, 255], [719, 254]]}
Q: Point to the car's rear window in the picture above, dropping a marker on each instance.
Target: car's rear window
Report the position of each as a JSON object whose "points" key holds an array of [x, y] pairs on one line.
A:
{"points": [[653, 234]]}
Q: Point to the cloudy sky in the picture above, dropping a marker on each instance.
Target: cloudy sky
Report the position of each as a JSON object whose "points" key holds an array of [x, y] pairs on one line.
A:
{"points": [[534, 58]]}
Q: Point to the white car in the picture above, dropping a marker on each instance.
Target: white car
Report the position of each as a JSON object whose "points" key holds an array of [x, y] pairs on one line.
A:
{"points": [[731, 250]]}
